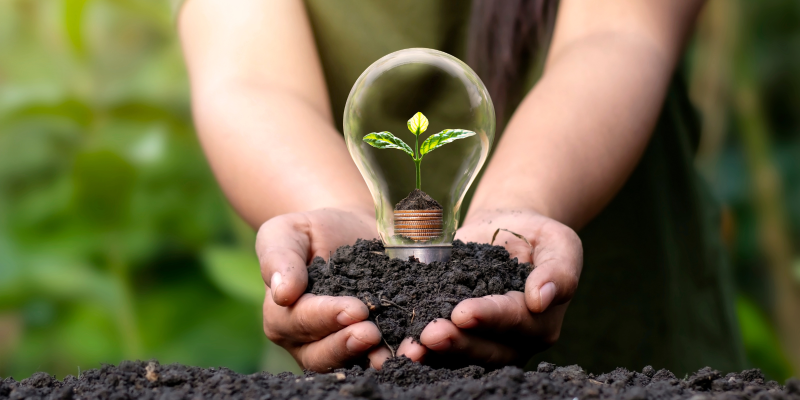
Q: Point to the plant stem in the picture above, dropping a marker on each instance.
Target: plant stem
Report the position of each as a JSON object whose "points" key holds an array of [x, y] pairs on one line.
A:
{"points": [[417, 161], [419, 175]]}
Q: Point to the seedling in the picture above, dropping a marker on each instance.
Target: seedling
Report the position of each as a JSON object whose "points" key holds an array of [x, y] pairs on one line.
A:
{"points": [[417, 125]]}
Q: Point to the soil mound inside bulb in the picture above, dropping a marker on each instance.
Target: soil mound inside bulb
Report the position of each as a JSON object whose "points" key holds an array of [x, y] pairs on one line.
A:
{"points": [[418, 200], [405, 295]]}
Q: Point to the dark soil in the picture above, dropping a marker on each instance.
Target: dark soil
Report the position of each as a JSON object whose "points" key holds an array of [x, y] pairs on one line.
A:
{"points": [[405, 295], [418, 200], [400, 379]]}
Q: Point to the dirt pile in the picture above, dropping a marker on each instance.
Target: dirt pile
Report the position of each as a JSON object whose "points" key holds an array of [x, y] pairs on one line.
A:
{"points": [[404, 296], [418, 200], [400, 379]]}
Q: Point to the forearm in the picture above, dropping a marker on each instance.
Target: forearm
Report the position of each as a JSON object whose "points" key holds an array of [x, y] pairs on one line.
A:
{"points": [[261, 109], [272, 154], [577, 136]]}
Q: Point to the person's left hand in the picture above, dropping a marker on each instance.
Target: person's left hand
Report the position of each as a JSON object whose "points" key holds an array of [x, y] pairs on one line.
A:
{"points": [[508, 329]]}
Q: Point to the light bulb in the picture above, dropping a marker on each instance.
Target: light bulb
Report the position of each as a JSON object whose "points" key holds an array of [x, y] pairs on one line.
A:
{"points": [[419, 119]]}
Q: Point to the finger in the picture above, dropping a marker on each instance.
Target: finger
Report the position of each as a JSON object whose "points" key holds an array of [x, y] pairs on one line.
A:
{"points": [[444, 337], [311, 318], [339, 349], [282, 246], [408, 347], [498, 313], [378, 356], [558, 257], [412, 349]]}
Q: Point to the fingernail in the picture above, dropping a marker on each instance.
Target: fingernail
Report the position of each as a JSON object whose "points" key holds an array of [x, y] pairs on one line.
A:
{"points": [[356, 346], [546, 294], [276, 281], [343, 318]]}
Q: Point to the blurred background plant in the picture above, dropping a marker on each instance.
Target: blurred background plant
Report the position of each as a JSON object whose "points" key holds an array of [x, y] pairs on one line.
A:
{"points": [[115, 242]]}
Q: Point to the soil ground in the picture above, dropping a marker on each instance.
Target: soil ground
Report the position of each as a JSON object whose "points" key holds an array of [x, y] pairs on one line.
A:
{"points": [[400, 379], [405, 295]]}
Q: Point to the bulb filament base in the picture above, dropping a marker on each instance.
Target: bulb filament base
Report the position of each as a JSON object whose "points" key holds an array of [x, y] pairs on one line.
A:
{"points": [[425, 254]]}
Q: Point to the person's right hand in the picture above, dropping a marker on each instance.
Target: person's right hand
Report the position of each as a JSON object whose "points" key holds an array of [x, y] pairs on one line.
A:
{"points": [[321, 332]]}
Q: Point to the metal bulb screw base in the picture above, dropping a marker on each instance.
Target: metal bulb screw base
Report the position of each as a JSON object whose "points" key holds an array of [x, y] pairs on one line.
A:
{"points": [[425, 254]]}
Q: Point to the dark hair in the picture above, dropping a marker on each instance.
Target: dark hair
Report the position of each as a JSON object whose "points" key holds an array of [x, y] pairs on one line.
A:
{"points": [[504, 37]]}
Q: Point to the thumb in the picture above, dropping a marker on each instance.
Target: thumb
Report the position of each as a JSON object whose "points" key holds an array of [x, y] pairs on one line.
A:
{"points": [[282, 246], [558, 261]]}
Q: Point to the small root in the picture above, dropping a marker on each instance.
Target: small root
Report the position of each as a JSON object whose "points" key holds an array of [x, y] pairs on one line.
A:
{"points": [[413, 314], [513, 233], [386, 302], [391, 349]]}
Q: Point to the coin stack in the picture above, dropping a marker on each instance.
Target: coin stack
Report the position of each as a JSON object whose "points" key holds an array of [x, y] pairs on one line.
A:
{"points": [[418, 225]]}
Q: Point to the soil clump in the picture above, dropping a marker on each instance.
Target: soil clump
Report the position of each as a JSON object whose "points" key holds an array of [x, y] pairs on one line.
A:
{"points": [[399, 379], [418, 200], [403, 296]]}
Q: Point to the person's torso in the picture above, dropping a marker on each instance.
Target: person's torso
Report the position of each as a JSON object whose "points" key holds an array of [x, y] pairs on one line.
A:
{"points": [[654, 288]]}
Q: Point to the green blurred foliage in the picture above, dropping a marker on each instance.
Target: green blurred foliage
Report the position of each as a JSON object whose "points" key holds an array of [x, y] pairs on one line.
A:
{"points": [[116, 243], [746, 60], [761, 343]]}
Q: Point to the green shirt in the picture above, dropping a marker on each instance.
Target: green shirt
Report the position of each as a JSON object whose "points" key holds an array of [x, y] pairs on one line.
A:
{"points": [[655, 288]]}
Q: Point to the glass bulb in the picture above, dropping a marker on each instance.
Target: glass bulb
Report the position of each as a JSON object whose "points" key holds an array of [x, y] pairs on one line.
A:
{"points": [[419, 119]]}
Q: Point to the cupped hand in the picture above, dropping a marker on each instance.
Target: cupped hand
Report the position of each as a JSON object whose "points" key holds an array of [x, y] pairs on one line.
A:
{"points": [[321, 332], [508, 329]]}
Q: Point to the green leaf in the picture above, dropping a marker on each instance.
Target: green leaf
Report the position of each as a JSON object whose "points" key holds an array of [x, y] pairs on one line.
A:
{"points": [[385, 140], [418, 124], [442, 138]]}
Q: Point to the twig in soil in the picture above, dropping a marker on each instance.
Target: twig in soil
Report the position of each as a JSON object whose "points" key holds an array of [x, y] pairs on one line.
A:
{"points": [[513, 233], [386, 302], [384, 339], [413, 314], [390, 348]]}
